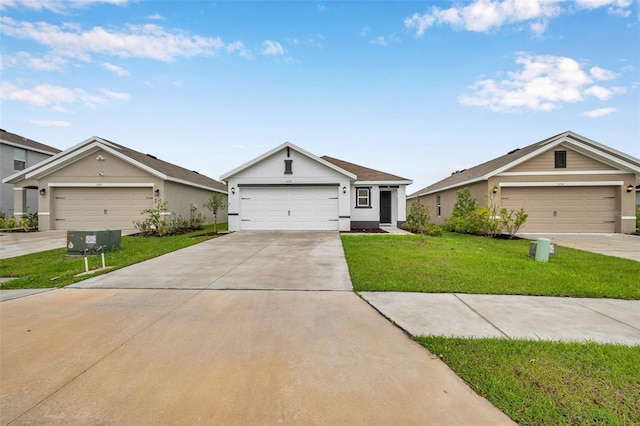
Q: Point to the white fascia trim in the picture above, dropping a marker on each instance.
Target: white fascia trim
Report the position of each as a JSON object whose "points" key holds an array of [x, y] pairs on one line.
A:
{"points": [[551, 184], [457, 185], [544, 148], [43, 213], [98, 185], [19, 213], [184, 182], [554, 173], [628, 218], [611, 160], [19, 189], [382, 182], [227, 175], [28, 148]]}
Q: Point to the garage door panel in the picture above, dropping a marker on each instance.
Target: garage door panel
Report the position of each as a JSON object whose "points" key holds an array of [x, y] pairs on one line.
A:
{"points": [[100, 208], [289, 208], [563, 209]]}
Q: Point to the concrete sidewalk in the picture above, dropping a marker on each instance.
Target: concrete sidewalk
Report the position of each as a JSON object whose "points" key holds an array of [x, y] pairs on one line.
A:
{"points": [[515, 317]]}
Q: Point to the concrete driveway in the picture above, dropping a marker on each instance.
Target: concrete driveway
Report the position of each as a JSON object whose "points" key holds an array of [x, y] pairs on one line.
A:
{"points": [[619, 245], [198, 355], [242, 261]]}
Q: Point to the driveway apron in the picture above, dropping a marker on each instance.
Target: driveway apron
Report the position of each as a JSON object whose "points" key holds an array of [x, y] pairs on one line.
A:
{"points": [[130, 355]]}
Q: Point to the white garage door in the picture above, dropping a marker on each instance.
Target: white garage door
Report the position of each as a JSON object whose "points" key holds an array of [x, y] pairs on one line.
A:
{"points": [[564, 209], [99, 208], [289, 208]]}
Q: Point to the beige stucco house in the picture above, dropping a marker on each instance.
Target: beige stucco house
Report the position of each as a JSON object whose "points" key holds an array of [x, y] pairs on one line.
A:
{"points": [[567, 183], [99, 184]]}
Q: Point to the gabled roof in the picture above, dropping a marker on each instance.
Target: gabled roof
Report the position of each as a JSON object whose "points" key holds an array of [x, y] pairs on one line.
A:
{"points": [[498, 165], [289, 145], [365, 173], [159, 168], [18, 141]]}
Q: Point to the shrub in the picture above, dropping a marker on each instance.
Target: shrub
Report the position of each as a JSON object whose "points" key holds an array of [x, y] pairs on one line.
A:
{"points": [[465, 219], [155, 225]]}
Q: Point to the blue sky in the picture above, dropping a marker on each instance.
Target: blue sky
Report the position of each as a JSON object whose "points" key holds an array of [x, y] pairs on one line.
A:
{"points": [[418, 89]]}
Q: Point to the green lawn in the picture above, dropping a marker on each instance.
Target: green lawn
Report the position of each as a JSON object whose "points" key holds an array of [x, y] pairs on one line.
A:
{"points": [[53, 268], [537, 383], [469, 264]]}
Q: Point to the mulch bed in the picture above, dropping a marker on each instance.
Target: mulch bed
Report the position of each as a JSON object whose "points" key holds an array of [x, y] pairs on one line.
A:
{"points": [[365, 231]]}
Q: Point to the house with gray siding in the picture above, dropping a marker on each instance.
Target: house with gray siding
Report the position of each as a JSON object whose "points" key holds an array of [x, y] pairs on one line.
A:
{"points": [[18, 153]]}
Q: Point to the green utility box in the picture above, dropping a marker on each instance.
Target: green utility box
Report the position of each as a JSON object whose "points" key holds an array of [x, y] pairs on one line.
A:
{"points": [[91, 241], [533, 248]]}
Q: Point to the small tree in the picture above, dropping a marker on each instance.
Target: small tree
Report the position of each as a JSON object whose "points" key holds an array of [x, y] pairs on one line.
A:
{"points": [[418, 218], [215, 203], [510, 223]]}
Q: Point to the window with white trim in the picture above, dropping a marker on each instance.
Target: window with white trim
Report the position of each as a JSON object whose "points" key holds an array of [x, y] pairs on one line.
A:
{"points": [[363, 197], [19, 159]]}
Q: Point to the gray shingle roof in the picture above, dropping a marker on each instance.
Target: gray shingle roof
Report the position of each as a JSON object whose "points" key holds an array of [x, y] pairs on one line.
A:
{"points": [[363, 173], [13, 139], [477, 173], [171, 170]]}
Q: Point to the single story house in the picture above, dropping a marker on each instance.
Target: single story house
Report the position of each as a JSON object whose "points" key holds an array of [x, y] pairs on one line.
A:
{"points": [[98, 184], [566, 183], [16, 154], [289, 188]]}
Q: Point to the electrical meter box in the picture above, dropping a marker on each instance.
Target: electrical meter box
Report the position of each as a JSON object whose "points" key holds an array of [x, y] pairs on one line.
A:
{"points": [[90, 242]]}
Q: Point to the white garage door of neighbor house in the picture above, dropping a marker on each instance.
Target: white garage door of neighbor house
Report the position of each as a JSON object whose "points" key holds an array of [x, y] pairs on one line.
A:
{"points": [[564, 209], [289, 208], [99, 208]]}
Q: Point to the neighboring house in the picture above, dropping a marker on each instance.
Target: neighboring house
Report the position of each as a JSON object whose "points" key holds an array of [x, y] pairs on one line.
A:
{"points": [[567, 183], [290, 188], [16, 154], [99, 184]]}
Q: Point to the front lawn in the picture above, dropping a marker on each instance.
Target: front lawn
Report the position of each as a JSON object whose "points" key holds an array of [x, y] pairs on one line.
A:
{"points": [[469, 264], [536, 382], [53, 268]]}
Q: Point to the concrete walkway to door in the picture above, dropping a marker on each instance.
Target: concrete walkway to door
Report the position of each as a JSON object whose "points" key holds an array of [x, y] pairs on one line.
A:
{"points": [[174, 351]]}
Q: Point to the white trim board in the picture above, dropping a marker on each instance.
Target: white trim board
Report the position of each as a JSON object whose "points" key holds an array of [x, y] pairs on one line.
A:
{"points": [[100, 185], [571, 173], [556, 184]]}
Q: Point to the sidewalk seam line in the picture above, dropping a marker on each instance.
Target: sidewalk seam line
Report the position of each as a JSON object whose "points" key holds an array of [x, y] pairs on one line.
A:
{"points": [[482, 316], [604, 315]]}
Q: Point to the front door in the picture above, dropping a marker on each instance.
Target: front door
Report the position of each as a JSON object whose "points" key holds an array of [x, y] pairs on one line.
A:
{"points": [[385, 207]]}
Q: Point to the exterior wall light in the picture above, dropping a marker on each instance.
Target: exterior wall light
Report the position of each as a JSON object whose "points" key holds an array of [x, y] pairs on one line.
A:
{"points": [[157, 192], [344, 189], [630, 188], [43, 191], [233, 189]]}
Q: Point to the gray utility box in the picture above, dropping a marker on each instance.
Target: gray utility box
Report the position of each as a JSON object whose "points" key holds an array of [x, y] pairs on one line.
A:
{"points": [[79, 241], [533, 246]]}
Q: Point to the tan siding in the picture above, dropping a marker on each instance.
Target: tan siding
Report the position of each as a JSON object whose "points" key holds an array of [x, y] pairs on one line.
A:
{"points": [[180, 197], [90, 168], [546, 162]]}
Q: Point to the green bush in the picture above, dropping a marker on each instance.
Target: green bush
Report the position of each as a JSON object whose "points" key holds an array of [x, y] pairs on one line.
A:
{"points": [[155, 225], [465, 219]]}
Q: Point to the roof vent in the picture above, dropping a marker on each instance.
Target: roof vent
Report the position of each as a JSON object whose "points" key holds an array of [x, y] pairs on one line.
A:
{"points": [[195, 172], [3, 130], [152, 156], [511, 152]]}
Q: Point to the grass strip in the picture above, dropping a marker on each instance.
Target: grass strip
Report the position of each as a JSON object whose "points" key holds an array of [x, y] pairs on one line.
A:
{"points": [[538, 382], [470, 264], [53, 268]]}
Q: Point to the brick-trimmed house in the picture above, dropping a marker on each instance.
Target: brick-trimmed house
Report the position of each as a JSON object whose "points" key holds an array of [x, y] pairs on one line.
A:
{"points": [[566, 183]]}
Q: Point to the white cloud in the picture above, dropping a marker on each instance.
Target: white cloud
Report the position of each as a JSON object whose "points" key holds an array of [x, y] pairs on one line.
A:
{"points": [[156, 17], [380, 41], [601, 112], [238, 46], [56, 6], [543, 84], [272, 48], [115, 69], [601, 74], [365, 31], [48, 95], [42, 63], [115, 95], [141, 41], [487, 15], [50, 123]]}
